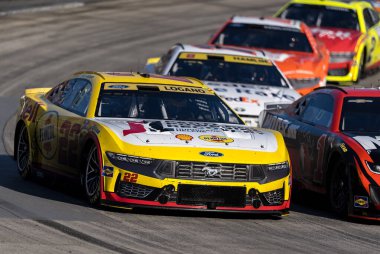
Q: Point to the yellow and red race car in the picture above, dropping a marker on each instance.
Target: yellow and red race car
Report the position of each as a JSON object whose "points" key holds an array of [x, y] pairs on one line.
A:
{"points": [[148, 140], [350, 31]]}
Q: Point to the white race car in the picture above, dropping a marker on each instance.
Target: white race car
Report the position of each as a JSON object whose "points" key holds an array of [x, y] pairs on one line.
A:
{"points": [[247, 80]]}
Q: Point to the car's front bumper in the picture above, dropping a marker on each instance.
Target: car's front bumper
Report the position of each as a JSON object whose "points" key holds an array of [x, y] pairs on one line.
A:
{"points": [[171, 193]]}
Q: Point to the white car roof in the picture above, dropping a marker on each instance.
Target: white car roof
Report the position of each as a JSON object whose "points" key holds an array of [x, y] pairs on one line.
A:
{"points": [[267, 21], [206, 49]]}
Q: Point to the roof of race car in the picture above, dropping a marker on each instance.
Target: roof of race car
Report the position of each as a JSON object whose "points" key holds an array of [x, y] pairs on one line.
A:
{"points": [[209, 49], [140, 78], [268, 21], [351, 91], [337, 3]]}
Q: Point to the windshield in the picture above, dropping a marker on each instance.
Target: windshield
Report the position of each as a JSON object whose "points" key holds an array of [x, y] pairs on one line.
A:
{"points": [[361, 114], [160, 105], [259, 36], [323, 16], [219, 68]]}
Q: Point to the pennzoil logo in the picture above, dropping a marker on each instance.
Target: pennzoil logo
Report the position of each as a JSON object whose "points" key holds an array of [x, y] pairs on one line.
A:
{"points": [[46, 135], [361, 202], [216, 139]]}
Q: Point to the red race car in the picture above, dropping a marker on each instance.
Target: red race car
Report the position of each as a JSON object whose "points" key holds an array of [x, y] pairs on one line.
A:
{"points": [[333, 138], [290, 44]]}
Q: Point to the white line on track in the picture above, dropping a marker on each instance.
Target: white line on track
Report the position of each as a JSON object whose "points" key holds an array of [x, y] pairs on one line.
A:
{"points": [[43, 8]]}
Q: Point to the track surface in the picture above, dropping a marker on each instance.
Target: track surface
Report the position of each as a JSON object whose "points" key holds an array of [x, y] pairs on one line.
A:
{"points": [[41, 49]]}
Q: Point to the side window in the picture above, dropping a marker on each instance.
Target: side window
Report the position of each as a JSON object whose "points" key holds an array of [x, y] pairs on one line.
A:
{"points": [[299, 106], [369, 22], [375, 16], [81, 100], [72, 95], [57, 94], [319, 110], [160, 66]]}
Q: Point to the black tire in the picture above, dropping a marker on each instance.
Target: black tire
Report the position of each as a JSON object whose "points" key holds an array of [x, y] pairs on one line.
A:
{"points": [[339, 189], [361, 71], [23, 153], [91, 176]]}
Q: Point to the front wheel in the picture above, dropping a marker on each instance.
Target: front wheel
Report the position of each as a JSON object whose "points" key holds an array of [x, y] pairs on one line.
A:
{"points": [[91, 179], [23, 153], [339, 189]]}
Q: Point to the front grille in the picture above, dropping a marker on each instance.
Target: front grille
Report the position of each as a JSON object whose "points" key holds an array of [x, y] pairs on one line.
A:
{"points": [[273, 197], [133, 190], [212, 171], [215, 195], [338, 72]]}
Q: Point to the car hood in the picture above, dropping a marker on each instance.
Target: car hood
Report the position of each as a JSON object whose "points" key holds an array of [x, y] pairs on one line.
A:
{"points": [[337, 40], [370, 143], [191, 134], [250, 100], [295, 65]]}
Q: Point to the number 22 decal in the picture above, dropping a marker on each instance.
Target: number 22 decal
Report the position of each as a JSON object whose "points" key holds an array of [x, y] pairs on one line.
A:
{"points": [[130, 177]]}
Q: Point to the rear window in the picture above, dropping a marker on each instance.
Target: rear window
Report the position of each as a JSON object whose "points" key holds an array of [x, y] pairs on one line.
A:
{"points": [[323, 16], [259, 36], [360, 114]]}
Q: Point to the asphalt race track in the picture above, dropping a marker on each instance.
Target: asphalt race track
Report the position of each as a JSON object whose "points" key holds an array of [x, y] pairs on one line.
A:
{"points": [[44, 46]]}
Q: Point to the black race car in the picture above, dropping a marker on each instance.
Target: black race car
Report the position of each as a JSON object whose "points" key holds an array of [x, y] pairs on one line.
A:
{"points": [[333, 138]]}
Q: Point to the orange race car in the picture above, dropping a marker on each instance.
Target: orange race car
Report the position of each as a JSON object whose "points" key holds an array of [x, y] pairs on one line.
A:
{"points": [[301, 58]]}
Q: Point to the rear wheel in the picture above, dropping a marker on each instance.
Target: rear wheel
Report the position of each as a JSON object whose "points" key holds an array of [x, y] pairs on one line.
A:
{"points": [[91, 179], [23, 153], [339, 189]]}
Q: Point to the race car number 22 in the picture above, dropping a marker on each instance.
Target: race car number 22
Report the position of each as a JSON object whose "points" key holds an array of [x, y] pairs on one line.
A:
{"points": [[130, 177]]}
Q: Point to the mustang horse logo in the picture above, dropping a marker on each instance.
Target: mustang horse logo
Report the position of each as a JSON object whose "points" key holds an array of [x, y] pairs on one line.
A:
{"points": [[211, 171]]}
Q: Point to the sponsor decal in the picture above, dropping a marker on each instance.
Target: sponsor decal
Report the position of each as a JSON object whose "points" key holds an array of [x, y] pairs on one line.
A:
{"points": [[211, 171], [241, 99], [184, 137], [184, 89], [211, 154], [361, 202], [198, 127], [287, 129], [117, 87], [216, 139], [134, 127], [29, 110], [343, 147], [332, 35], [95, 129], [46, 135], [130, 177], [107, 171], [368, 143]]}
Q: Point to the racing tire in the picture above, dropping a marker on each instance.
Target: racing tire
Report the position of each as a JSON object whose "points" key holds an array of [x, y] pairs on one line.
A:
{"points": [[361, 70], [339, 189], [91, 176], [23, 153]]}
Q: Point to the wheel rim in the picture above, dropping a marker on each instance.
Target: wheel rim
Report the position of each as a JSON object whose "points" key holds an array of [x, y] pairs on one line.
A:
{"points": [[339, 191], [23, 151], [92, 177]]}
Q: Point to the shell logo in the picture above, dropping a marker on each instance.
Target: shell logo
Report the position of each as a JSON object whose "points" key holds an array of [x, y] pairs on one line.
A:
{"points": [[184, 137]]}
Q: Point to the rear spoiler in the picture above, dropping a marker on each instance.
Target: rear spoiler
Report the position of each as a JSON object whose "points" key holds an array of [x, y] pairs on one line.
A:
{"points": [[43, 90]]}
